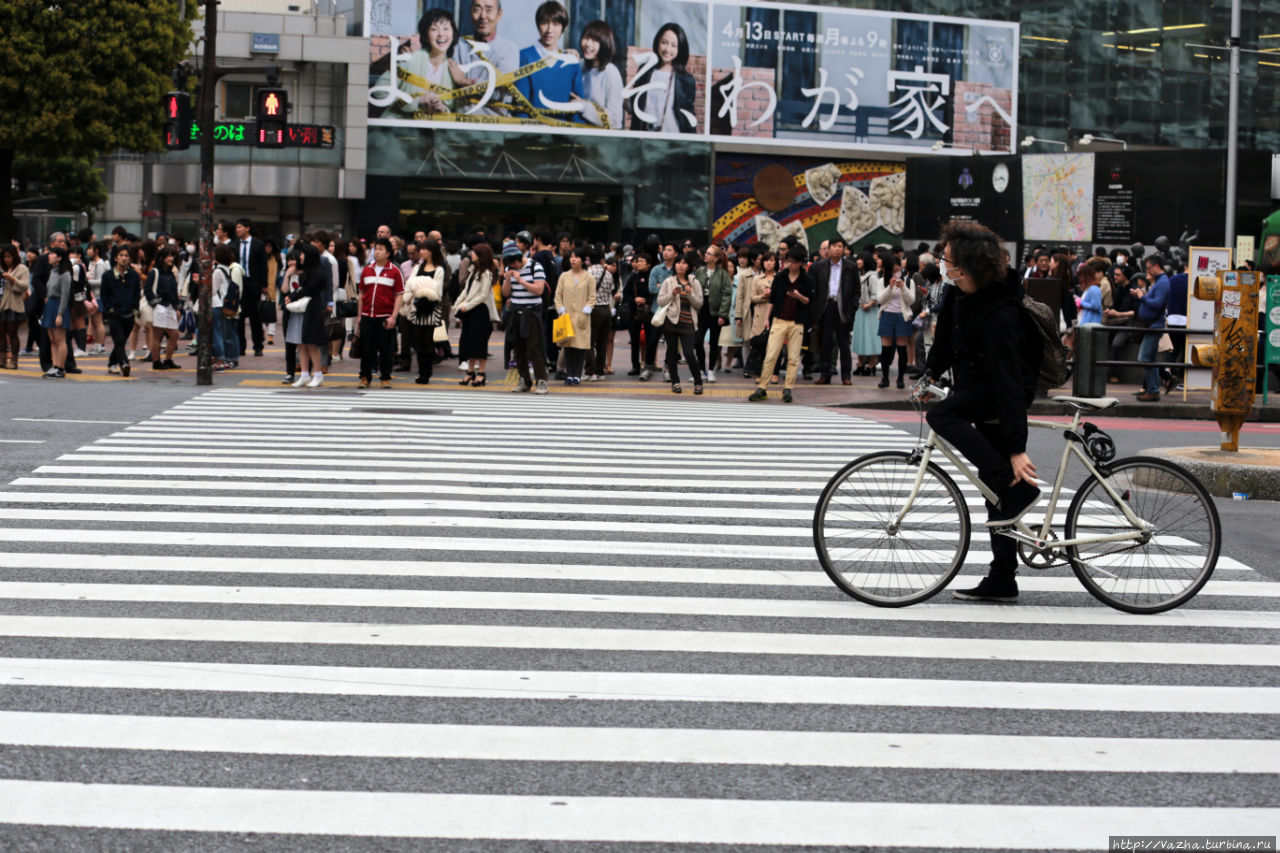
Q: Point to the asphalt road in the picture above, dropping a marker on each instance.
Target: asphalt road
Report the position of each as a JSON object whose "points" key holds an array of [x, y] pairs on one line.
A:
{"points": [[425, 621]]}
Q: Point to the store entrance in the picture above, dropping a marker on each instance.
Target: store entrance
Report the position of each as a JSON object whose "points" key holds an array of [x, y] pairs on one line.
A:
{"points": [[593, 214]]}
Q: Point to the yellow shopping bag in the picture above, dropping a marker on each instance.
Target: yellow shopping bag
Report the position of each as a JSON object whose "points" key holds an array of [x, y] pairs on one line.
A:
{"points": [[562, 328]]}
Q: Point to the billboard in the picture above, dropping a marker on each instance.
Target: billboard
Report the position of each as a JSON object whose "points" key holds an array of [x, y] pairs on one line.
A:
{"points": [[800, 76]]}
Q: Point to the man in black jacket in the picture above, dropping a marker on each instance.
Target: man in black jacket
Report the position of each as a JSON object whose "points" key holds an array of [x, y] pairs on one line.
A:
{"points": [[982, 336], [789, 297], [252, 255], [835, 302]]}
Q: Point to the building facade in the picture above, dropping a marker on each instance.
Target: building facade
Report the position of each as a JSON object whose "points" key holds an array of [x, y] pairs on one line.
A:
{"points": [[793, 120]]}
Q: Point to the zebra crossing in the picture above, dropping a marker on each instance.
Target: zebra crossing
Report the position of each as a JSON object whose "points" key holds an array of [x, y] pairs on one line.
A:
{"points": [[339, 621]]}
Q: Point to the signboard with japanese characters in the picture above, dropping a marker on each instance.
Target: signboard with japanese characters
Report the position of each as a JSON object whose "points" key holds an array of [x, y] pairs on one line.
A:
{"points": [[801, 76]]}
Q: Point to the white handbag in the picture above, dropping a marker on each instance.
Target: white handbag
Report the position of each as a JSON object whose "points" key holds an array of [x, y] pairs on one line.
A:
{"points": [[298, 306], [660, 316]]}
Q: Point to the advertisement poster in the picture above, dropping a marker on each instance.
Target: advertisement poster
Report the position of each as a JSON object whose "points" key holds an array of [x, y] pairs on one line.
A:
{"points": [[800, 76], [862, 201]]}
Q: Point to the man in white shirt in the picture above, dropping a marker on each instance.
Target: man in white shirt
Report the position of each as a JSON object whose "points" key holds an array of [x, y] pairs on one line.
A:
{"points": [[836, 288]]}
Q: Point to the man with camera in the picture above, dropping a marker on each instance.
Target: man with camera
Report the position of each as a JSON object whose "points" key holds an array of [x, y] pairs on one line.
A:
{"points": [[523, 282]]}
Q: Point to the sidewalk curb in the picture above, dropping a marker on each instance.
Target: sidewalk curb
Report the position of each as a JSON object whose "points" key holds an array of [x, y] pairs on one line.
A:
{"points": [[1043, 406]]}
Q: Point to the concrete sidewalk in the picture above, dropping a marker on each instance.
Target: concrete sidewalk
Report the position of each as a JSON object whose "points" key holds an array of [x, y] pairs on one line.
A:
{"points": [[267, 371]]}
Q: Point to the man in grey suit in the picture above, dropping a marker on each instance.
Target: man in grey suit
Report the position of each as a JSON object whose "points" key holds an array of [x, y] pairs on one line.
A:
{"points": [[836, 286]]}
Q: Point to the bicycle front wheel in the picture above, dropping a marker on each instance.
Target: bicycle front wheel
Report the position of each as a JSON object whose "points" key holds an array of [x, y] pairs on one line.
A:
{"points": [[872, 556], [1174, 561]]}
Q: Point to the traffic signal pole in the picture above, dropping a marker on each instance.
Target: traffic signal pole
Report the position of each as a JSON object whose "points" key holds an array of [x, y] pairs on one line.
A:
{"points": [[205, 111], [210, 73]]}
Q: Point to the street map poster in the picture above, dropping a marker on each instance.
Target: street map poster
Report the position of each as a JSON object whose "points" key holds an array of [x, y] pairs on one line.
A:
{"points": [[1057, 197], [797, 76]]}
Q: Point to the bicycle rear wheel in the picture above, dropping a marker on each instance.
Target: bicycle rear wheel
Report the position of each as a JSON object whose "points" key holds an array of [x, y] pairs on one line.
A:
{"points": [[863, 552], [1173, 564]]}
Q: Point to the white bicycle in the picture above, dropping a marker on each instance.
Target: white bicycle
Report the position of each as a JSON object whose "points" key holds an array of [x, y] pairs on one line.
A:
{"points": [[1142, 535]]}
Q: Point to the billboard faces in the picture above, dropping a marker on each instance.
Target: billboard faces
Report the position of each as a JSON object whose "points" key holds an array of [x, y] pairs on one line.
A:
{"points": [[798, 75]]}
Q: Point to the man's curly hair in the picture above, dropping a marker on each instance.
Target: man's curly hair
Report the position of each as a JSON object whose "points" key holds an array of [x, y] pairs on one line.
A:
{"points": [[977, 250]]}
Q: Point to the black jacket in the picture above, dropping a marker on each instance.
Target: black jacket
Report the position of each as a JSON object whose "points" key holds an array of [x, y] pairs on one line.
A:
{"points": [[120, 295], [984, 339], [255, 280], [778, 295], [850, 288], [635, 286], [686, 92]]}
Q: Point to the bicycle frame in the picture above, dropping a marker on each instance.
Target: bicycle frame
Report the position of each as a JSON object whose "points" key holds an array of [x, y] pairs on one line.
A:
{"points": [[1019, 530]]}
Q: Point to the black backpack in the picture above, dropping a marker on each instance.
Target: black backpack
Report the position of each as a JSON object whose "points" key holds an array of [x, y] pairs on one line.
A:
{"points": [[1044, 348], [1043, 324]]}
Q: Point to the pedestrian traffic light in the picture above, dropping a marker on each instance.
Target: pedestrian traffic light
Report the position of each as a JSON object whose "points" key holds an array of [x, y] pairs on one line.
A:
{"points": [[271, 113], [177, 121]]}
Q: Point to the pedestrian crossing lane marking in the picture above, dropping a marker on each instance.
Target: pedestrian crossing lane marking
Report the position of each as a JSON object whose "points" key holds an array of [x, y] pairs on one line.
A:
{"points": [[137, 502]]}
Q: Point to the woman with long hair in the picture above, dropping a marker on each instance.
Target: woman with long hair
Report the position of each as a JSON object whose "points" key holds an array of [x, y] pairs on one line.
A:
{"points": [[866, 323], [681, 296], [57, 310], [897, 299], [665, 92], [144, 263], [15, 284], [477, 311], [309, 334], [96, 264], [600, 78], [275, 268], [576, 296], [422, 305]]}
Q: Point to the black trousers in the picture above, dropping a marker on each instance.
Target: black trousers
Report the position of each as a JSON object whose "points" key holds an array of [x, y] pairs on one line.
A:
{"points": [[527, 332], [962, 419], [249, 314], [833, 332], [34, 313], [424, 343], [601, 332], [405, 358], [688, 342], [639, 319], [377, 348], [119, 327], [652, 336], [704, 326]]}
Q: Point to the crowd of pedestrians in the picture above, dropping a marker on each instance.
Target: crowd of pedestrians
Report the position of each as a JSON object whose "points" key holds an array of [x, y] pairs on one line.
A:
{"points": [[776, 315]]}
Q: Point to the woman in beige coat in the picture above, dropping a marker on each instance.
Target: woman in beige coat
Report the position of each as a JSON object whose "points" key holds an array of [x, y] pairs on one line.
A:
{"points": [[15, 283], [576, 296]]}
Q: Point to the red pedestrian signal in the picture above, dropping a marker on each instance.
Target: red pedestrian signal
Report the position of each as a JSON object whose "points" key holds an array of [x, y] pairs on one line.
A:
{"points": [[177, 121], [272, 118]]}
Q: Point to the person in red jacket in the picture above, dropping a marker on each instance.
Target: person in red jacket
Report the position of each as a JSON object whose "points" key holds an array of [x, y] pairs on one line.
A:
{"points": [[380, 287]]}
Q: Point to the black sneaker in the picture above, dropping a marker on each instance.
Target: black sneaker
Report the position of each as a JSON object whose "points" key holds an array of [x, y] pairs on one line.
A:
{"points": [[990, 589], [786, 395], [170, 365], [73, 370], [758, 395], [1014, 503]]}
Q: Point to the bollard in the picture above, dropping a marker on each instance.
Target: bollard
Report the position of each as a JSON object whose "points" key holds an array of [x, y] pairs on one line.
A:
{"points": [[1233, 355], [1088, 379]]}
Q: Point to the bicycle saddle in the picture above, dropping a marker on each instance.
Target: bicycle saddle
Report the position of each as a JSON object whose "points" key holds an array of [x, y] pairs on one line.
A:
{"points": [[1095, 403]]}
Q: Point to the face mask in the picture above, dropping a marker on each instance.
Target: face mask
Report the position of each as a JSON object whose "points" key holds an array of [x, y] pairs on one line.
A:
{"points": [[191, 249], [945, 269]]}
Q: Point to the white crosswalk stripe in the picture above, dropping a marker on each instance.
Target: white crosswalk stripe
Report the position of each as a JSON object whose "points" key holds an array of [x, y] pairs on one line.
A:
{"points": [[369, 616]]}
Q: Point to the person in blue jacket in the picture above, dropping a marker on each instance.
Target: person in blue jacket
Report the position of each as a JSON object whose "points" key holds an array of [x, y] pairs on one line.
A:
{"points": [[553, 87], [1151, 310]]}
